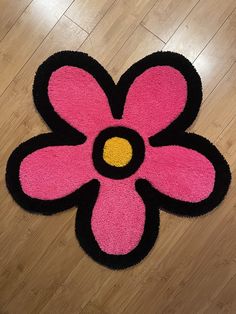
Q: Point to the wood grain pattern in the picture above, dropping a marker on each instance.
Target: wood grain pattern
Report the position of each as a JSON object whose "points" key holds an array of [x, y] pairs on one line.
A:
{"points": [[218, 56], [123, 17], [10, 11], [199, 26], [215, 104], [88, 13], [166, 16], [192, 268], [133, 50], [31, 28]]}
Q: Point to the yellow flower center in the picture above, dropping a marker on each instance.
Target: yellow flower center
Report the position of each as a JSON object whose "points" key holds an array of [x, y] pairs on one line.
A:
{"points": [[117, 151]]}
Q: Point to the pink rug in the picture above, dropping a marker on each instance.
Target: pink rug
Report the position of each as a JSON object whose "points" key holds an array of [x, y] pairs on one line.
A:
{"points": [[118, 151]]}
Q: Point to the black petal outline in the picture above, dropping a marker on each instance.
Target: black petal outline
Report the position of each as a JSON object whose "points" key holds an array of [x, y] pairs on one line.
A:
{"points": [[89, 244], [40, 88], [222, 179], [45, 207], [185, 67]]}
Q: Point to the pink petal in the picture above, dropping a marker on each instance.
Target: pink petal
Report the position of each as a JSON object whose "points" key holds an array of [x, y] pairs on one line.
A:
{"points": [[118, 217], [79, 100], [178, 172], [155, 99], [55, 171]]}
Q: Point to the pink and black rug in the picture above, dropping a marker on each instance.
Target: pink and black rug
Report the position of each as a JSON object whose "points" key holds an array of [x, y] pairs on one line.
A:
{"points": [[119, 152]]}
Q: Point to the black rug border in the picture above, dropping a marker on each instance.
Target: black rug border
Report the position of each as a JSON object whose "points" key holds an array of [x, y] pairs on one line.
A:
{"points": [[64, 134]]}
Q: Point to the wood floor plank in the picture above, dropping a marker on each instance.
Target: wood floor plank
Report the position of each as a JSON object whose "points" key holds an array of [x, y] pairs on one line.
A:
{"points": [[209, 122], [199, 27], [218, 57], [225, 301], [26, 35], [90, 308], [166, 16], [115, 28], [79, 279], [32, 234], [227, 144], [87, 13], [139, 44], [38, 285], [10, 11]]}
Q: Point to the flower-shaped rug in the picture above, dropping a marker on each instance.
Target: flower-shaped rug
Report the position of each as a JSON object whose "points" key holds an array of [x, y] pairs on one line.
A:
{"points": [[117, 151]]}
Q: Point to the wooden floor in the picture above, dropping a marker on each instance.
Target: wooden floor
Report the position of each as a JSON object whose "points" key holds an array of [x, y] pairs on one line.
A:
{"points": [[192, 268]]}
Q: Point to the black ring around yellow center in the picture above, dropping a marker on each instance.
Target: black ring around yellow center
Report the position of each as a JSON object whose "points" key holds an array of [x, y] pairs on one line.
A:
{"points": [[118, 152]]}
